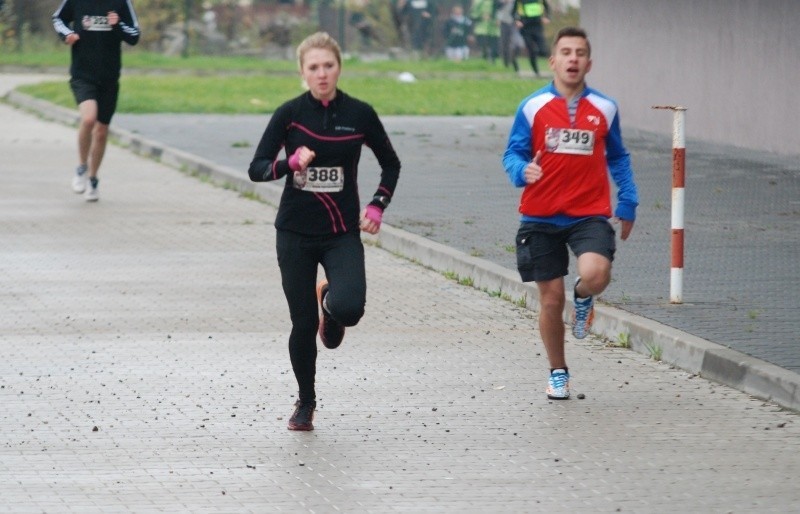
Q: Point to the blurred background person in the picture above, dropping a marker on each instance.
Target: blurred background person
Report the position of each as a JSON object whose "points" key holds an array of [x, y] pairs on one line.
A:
{"points": [[420, 15], [457, 35], [510, 39], [486, 28], [532, 16]]}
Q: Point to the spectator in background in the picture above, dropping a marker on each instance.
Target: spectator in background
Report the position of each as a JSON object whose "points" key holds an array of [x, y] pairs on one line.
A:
{"points": [[420, 15], [365, 29], [398, 19], [509, 34], [487, 28], [532, 16], [457, 35]]}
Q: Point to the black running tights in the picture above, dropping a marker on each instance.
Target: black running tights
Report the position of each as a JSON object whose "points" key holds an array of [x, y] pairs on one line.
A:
{"points": [[342, 258]]}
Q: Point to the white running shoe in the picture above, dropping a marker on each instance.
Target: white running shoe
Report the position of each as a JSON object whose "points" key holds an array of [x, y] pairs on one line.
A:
{"points": [[91, 194], [79, 180], [558, 385]]}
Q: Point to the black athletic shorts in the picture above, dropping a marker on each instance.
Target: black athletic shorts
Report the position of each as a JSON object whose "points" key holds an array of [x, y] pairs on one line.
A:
{"points": [[104, 94], [542, 248]]}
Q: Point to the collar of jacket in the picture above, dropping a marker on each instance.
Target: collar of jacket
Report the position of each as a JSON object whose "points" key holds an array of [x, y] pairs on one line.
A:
{"points": [[317, 104]]}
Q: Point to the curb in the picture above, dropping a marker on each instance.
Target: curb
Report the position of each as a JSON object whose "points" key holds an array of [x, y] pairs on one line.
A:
{"points": [[680, 349]]}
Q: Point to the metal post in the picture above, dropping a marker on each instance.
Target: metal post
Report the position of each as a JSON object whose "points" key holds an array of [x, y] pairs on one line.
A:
{"points": [[678, 197]]}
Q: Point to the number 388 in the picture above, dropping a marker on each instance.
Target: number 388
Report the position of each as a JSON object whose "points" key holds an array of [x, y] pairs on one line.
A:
{"points": [[323, 174]]}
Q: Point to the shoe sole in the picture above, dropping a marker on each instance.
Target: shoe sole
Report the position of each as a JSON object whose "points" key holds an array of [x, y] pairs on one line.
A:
{"points": [[557, 397], [300, 428]]}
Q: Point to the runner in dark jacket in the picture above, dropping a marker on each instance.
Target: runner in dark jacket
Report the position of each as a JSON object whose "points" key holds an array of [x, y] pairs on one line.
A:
{"points": [[320, 216], [95, 30]]}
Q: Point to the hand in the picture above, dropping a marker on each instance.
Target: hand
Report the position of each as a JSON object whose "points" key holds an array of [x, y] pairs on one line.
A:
{"points": [[301, 158], [626, 227], [71, 39], [371, 218], [113, 17], [533, 171]]}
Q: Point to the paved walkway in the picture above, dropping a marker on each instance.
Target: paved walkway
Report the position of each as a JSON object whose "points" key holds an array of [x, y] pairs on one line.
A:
{"points": [[143, 368]]}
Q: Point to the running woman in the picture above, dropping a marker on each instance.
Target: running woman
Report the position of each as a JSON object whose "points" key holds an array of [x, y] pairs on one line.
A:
{"points": [[319, 217], [94, 29], [564, 141]]}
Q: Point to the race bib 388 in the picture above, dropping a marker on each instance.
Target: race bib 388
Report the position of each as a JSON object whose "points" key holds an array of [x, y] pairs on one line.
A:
{"points": [[320, 179]]}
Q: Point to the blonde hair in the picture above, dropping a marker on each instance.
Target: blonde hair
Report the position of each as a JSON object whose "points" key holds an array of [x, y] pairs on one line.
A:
{"points": [[321, 40]]}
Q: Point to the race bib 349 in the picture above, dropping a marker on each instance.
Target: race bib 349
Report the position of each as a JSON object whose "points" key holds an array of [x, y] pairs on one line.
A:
{"points": [[571, 141]]}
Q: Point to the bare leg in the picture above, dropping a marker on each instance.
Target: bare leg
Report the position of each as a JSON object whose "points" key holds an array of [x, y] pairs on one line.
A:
{"points": [[551, 320], [88, 114], [595, 272], [98, 148]]}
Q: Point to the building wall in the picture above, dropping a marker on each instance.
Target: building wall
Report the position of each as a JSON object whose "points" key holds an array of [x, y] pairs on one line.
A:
{"points": [[735, 64]]}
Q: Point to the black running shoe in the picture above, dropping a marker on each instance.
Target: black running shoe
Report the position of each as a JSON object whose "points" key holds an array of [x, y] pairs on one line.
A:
{"points": [[303, 416], [331, 332]]}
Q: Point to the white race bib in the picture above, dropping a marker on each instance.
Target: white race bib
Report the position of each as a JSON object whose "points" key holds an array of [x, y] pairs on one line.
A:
{"points": [[571, 141], [96, 23], [320, 179]]}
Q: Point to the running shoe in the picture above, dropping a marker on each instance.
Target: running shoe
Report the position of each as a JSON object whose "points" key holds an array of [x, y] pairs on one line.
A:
{"points": [[331, 333], [582, 315], [91, 194], [80, 179], [558, 385], [303, 416]]}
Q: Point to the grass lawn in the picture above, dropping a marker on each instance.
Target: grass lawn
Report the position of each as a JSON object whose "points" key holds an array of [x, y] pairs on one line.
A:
{"points": [[233, 85]]}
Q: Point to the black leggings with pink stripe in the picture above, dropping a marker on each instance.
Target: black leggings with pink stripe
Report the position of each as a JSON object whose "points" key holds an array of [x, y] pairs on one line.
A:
{"points": [[342, 258]]}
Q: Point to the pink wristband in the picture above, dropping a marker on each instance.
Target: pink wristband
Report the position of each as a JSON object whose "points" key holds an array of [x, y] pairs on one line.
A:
{"points": [[294, 161], [374, 214]]}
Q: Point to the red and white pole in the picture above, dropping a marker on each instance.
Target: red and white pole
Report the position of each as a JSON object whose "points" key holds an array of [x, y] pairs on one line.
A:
{"points": [[678, 197]]}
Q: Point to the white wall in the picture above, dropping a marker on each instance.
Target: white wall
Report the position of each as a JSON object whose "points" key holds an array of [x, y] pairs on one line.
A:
{"points": [[735, 64]]}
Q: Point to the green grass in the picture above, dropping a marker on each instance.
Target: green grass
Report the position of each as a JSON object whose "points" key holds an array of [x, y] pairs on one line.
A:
{"points": [[246, 85], [654, 350], [623, 341], [137, 60]]}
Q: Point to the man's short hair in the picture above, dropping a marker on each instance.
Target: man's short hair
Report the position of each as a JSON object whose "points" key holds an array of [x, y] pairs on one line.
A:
{"points": [[571, 32]]}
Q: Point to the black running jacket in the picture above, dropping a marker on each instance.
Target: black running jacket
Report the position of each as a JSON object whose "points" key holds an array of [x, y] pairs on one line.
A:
{"points": [[335, 132], [97, 55]]}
